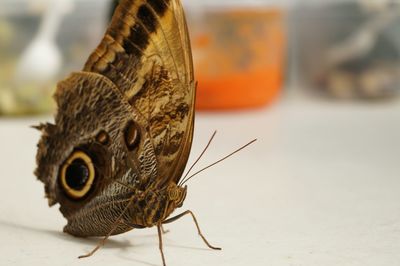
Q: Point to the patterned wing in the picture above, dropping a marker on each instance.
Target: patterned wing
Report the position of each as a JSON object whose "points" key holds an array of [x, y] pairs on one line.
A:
{"points": [[146, 54]]}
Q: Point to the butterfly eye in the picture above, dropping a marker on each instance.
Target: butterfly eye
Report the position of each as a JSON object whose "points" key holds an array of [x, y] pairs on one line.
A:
{"points": [[77, 175]]}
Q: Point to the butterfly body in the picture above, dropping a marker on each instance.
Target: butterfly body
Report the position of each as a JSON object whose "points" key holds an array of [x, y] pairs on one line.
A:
{"points": [[123, 130]]}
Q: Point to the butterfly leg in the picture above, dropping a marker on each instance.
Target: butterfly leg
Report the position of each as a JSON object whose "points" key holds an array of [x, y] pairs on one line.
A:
{"points": [[173, 219], [101, 243], [160, 242]]}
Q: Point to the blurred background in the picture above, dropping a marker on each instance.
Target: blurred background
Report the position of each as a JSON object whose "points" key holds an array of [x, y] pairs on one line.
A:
{"points": [[247, 54]]}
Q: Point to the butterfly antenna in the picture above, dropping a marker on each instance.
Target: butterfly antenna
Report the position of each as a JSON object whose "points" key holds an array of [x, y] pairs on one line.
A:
{"points": [[201, 155], [220, 160]]}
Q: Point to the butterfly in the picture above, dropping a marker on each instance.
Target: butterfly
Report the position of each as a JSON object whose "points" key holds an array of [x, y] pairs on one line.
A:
{"points": [[115, 156]]}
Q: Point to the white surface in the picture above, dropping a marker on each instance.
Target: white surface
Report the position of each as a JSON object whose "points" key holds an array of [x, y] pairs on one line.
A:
{"points": [[320, 187]]}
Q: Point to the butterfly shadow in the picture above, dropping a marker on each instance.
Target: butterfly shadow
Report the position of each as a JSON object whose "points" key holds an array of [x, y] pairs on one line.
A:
{"points": [[134, 254], [169, 243], [92, 241], [123, 246], [187, 247]]}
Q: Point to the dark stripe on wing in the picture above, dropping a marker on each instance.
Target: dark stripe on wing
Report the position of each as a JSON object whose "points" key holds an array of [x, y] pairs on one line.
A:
{"points": [[145, 21], [129, 47], [159, 6], [134, 35], [147, 17], [139, 36], [128, 36]]}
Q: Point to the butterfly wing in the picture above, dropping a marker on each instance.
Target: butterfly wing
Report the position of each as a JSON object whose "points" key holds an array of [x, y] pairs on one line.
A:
{"points": [[141, 73], [146, 54]]}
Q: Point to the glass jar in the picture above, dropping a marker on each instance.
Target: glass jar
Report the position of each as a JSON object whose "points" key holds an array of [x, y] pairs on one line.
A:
{"points": [[238, 51], [348, 49]]}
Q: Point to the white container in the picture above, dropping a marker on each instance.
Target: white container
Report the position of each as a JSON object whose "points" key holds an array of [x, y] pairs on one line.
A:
{"points": [[79, 33]]}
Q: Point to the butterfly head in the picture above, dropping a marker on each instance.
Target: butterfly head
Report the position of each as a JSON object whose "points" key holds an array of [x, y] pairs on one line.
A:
{"points": [[176, 195]]}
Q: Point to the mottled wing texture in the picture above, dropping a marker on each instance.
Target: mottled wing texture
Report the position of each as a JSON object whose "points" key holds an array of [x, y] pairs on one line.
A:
{"points": [[146, 54]]}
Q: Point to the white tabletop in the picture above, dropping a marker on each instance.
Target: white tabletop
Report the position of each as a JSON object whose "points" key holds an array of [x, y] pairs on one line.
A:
{"points": [[320, 187]]}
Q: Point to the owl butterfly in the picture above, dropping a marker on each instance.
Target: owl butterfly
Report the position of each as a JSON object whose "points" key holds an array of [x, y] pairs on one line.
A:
{"points": [[114, 158]]}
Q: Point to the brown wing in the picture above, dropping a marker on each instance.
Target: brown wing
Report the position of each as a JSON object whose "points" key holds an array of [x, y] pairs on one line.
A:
{"points": [[146, 53]]}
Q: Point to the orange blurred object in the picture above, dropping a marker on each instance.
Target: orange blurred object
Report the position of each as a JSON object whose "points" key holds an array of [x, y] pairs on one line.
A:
{"points": [[239, 57]]}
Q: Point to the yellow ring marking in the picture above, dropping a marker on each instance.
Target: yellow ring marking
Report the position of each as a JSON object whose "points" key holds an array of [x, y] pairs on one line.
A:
{"points": [[73, 193]]}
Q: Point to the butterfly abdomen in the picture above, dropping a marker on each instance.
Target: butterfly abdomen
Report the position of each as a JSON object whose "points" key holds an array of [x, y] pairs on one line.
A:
{"points": [[149, 210]]}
